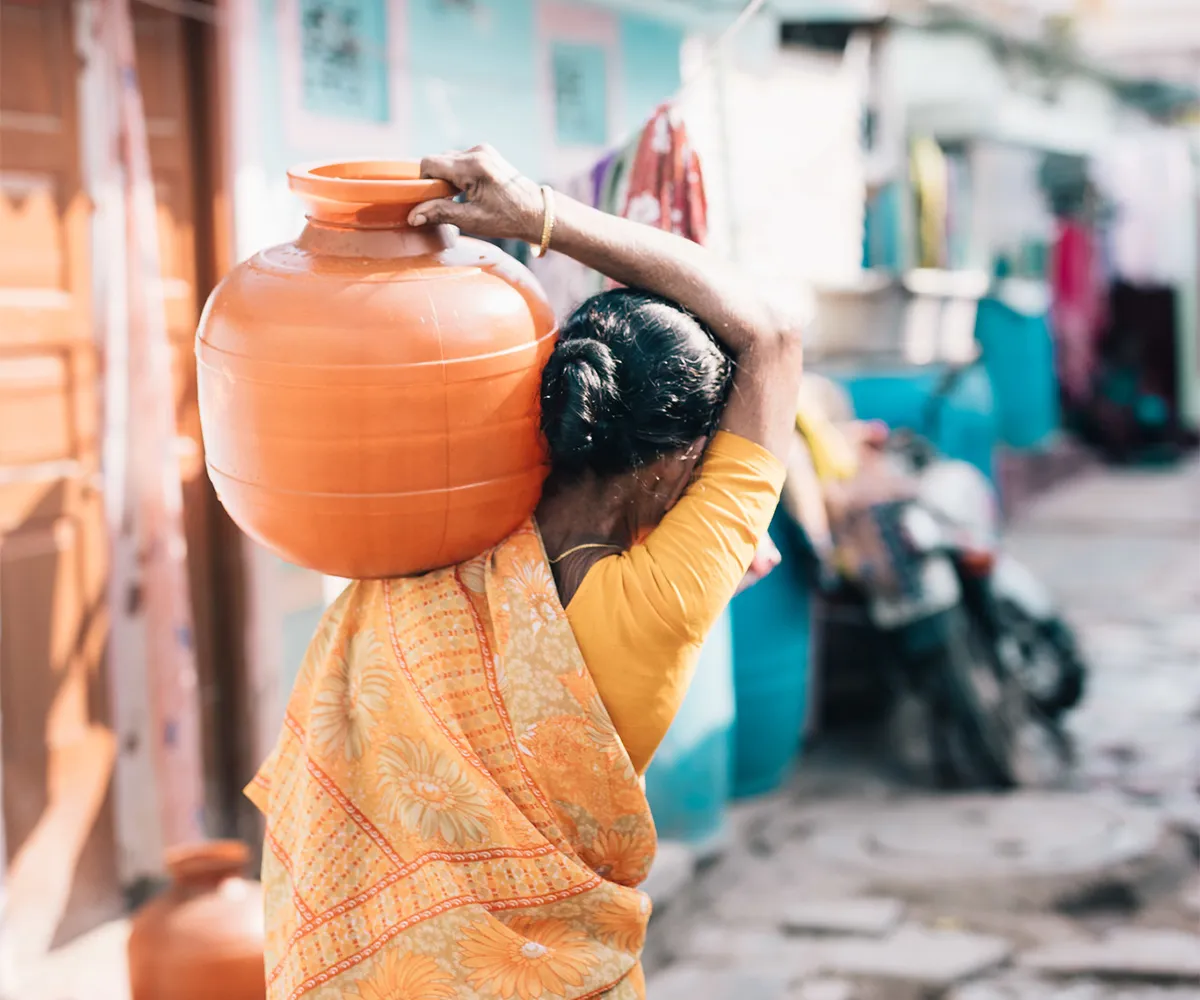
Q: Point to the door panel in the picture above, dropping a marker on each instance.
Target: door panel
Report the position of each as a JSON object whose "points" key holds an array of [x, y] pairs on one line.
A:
{"points": [[58, 752], [58, 748], [163, 55]]}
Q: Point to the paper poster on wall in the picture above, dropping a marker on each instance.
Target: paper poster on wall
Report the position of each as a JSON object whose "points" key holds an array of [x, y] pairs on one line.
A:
{"points": [[580, 94], [344, 58]]}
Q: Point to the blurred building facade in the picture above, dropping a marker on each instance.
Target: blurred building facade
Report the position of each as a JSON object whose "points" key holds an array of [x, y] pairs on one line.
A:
{"points": [[919, 135]]}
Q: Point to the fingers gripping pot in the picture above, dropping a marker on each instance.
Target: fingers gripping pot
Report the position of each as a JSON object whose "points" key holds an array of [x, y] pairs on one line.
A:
{"points": [[369, 393]]}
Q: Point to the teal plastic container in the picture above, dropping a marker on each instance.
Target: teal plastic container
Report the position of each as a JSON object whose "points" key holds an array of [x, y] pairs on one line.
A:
{"points": [[688, 782], [1018, 352], [967, 425], [771, 663]]}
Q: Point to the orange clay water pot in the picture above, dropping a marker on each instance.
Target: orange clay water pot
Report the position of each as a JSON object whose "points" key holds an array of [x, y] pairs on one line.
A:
{"points": [[369, 393], [203, 937]]}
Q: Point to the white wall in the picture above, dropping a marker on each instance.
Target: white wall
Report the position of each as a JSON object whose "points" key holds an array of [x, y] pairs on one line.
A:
{"points": [[778, 131]]}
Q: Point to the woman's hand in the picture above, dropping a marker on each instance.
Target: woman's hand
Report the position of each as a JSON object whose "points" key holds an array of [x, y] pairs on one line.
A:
{"points": [[499, 202], [766, 558]]}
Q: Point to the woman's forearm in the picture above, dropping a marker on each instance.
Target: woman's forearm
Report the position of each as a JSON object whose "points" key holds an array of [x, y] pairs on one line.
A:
{"points": [[765, 342], [668, 265]]}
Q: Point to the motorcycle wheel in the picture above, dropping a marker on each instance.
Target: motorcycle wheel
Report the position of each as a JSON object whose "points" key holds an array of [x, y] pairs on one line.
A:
{"points": [[1048, 660], [979, 713]]}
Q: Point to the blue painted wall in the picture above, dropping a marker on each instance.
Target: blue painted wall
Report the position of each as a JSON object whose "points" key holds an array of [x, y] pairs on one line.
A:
{"points": [[474, 77], [469, 75], [650, 66]]}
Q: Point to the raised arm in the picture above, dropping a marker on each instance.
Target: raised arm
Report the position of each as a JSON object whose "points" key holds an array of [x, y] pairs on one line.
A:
{"points": [[765, 341]]}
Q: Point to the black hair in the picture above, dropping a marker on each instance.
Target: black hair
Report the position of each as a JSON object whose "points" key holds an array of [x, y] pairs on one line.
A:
{"points": [[633, 378]]}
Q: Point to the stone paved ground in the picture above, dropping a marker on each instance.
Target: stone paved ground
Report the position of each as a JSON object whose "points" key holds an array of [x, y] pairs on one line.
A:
{"points": [[1092, 894]]}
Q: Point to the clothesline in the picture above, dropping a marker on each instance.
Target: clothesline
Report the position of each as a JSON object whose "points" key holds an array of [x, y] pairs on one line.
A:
{"points": [[710, 58]]}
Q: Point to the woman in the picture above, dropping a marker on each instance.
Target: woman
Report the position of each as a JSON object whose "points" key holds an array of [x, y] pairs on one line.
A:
{"points": [[454, 808]]}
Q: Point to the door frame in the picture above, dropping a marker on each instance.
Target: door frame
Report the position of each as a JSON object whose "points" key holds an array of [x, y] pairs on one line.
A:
{"points": [[206, 47], [226, 719]]}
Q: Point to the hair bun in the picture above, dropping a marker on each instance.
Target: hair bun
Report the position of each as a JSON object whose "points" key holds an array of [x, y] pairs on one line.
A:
{"points": [[586, 351], [579, 396]]}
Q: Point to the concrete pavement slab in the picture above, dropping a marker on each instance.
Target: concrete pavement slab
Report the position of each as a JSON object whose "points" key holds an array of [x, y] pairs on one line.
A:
{"points": [[932, 959], [866, 917], [695, 982], [1132, 953]]}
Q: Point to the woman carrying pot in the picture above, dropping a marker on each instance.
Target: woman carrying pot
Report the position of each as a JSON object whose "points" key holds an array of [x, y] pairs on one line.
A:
{"points": [[455, 805]]}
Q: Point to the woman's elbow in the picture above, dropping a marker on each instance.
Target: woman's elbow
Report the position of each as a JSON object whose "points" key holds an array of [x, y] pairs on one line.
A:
{"points": [[787, 325], [779, 341]]}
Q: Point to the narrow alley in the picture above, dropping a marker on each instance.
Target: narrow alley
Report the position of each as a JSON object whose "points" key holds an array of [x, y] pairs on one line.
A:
{"points": [[851, 887]]}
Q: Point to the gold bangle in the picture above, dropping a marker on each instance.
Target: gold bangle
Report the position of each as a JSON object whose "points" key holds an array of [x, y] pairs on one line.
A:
{"points": [[547, 221]]}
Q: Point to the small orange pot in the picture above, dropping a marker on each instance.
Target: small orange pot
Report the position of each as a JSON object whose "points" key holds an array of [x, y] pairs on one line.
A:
{"points": [[203, 937], [369, 393]]}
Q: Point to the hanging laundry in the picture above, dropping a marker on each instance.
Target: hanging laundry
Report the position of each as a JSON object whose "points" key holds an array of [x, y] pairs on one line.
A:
{"points": [[931, 184], [665, 187], [661, 184], [1078, 310], [654, 179]]}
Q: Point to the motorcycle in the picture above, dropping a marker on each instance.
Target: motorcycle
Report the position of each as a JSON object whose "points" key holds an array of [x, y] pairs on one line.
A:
{"points": [[1019, 614], [984, 665]]}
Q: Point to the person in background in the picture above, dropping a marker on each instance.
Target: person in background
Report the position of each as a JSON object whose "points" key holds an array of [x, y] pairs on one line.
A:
{"points": [[838, 470], [455, 807]]}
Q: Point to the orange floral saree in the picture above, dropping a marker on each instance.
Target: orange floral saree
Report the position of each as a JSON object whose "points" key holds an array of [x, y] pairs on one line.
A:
{"points": [[450, 813]]}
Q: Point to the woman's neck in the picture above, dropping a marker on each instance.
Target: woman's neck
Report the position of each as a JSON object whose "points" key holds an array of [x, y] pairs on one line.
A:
{"points": [[581, 513]]}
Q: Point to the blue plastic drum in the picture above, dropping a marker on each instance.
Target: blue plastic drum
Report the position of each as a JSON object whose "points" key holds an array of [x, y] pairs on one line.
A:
{"points": [[771, 656], [688, 782], [964, 423]]}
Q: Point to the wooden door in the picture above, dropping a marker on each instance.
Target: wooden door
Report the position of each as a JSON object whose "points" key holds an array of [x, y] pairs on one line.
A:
{"points": [[58, 747]]}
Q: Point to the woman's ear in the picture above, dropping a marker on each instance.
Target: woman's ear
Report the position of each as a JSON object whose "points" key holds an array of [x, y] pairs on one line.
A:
{"points": [[679, 470]]}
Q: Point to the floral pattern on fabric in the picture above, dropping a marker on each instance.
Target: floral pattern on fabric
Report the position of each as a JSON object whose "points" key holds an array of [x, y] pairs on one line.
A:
{"points": [[620, 857], [449, 810], [654, 179], [430, 794], [352, 696], [662, 185], [622, 923], [526, 958], [406, 977]]}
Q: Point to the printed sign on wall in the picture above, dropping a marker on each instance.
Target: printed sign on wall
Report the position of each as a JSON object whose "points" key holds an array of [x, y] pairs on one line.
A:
{"points": [[344, 58], [580, 94]]}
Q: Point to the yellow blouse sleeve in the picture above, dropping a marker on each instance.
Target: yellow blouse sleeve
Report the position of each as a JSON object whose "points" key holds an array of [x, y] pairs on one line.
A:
{"points": [[640, 618]]}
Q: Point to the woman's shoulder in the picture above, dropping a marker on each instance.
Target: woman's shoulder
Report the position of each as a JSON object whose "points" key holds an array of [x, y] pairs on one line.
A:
{"points": [[729, 447]]}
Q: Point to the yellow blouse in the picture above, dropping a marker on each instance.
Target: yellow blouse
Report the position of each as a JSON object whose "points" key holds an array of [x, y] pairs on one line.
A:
{"points": [[641, 617]]}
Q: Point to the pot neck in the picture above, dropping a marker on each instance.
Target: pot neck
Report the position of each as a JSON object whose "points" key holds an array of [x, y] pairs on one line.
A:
{"points": [[360, 208], [398, 239]]}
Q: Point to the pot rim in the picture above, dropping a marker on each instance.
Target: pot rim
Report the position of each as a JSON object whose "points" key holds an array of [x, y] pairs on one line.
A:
{"points": [[366, 182], [208, 858]]}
